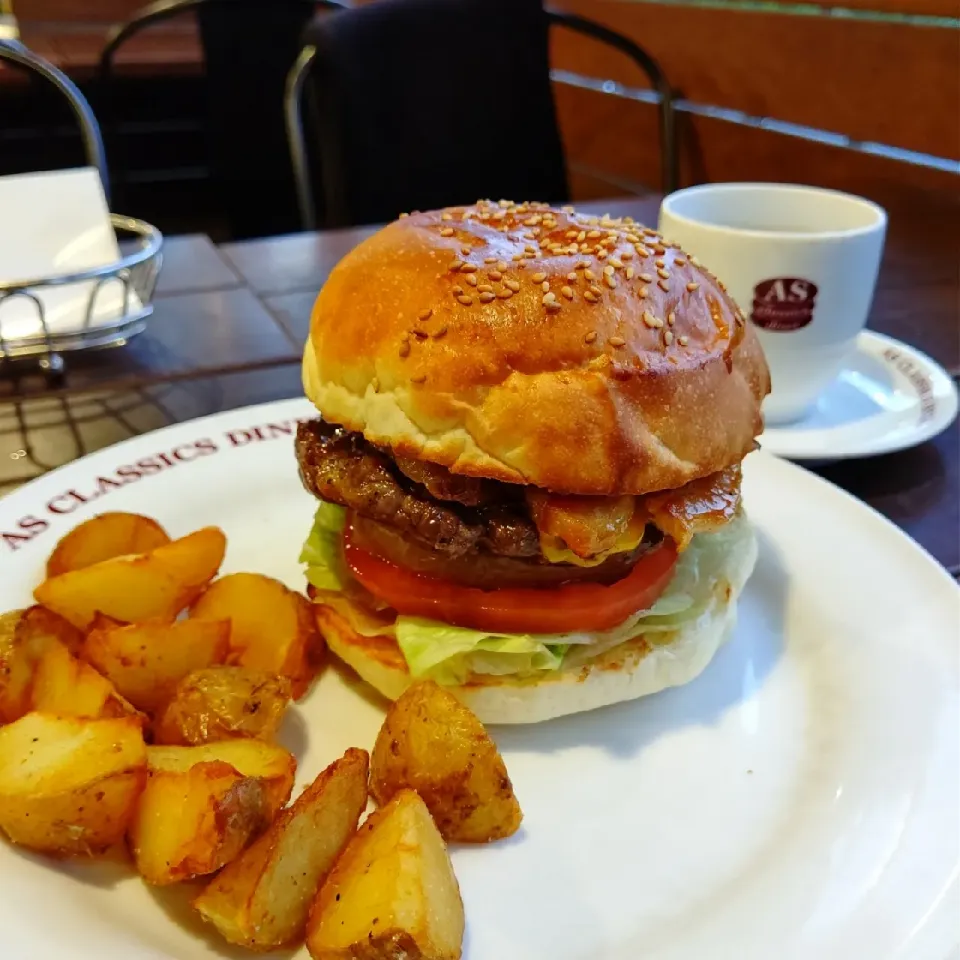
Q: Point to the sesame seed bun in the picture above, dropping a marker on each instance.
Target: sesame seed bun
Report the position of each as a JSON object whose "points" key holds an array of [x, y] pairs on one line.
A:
{"points": [[537, 346], [636, 668]]}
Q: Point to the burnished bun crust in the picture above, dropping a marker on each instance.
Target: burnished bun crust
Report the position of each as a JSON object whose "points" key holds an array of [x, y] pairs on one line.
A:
{"points": [[583, 387]]}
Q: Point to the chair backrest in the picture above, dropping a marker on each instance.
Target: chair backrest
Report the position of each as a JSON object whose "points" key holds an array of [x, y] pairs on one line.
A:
{"points": [[432, 103]]}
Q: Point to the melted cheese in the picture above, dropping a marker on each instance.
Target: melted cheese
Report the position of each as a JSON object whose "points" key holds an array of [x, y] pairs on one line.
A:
{"points": [[556, 551]]}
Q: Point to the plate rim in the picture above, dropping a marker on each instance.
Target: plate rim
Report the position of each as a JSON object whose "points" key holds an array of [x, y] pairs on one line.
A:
{"points": [[885, 444]]}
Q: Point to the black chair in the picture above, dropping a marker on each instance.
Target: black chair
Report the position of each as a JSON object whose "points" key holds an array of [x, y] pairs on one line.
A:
{"points": [[428, 103], [248, 48]]}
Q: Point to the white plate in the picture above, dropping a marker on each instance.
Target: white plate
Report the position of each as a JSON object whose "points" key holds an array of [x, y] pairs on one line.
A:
{"points": [[798, 800], [887, 397]]}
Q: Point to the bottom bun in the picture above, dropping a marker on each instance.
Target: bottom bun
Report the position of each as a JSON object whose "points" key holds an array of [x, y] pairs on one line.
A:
{"points": [[634, 668]]}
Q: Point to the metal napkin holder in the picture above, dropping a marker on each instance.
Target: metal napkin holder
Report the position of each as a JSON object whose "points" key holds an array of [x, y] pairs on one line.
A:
{"points": [[137, 273]]}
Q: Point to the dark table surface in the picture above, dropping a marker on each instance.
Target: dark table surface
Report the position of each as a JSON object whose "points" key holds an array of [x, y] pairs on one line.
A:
{"points": [[245, 308]]}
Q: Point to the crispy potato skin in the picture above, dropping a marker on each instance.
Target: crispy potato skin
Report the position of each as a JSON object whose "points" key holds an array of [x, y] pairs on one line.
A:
{"points": [[392, 895], [135, 589], [190, 823], [273, 628], [145, 662], [262, 899], [432, 743], [223, 703], [103, 537], [68, 785]]}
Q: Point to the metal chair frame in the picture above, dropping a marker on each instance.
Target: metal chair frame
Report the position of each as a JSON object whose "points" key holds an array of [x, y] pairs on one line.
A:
{"points": [[669, 164], [20, 56]]}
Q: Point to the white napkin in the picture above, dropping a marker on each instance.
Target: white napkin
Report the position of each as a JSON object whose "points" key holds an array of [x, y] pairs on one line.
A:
{"points": [[55, 223]]}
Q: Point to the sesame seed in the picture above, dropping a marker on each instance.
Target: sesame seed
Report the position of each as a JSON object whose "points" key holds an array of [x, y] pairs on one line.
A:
{"points": [[570, 234], [664, 285], [646, 278], [629, 273], [654, 323], [616, 262], [611, 281], [505, 204], [495, 275], [590, 337], [553, 306], [465, 251], [567, 292], [616, 341], [549, 297], [660, 263], [663, 274], [667, 337], [485, 288], [422, 378], [469, 268], [695, 261], [593, 234], [581, 236], [627, 255], [446, 232], [608, 270], [601, 254], [489, 259], [643, 291], [486, 296], [671, 318], [472, 279], [590, 297], [589, 274], [405, 348], [582, 265], [421, 334], [466, 301], [529, 248], [402, 215], [531, 254], [572, 276], [680, 262], [641, 251], [512, 285], [633, 238], [425, 314], [693, 286], [545, 286], [555, 248], [457, 290], [455, 265], [568, 209], [446, 216], [659, 250], [586, 248], [683, 341], [517, 257], [538, 277], [440, 332], [647, 232], [596, 291], [501, 265], [505, 294]]}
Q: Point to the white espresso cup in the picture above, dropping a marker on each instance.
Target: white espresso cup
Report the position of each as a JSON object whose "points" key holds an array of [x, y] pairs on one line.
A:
{"points": [[802, 264]]}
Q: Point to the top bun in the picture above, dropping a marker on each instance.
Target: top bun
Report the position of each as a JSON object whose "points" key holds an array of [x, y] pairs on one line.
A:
{"points": [[575, 353]]}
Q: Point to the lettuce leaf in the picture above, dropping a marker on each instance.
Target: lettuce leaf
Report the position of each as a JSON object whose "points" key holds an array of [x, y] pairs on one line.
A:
{"points": [[449, 654]]}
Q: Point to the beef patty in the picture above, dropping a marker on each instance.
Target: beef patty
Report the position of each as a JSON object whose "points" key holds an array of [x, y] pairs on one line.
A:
{"points": [[450, 514]]}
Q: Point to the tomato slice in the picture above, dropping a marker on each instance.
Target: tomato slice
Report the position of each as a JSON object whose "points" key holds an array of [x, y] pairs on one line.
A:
{"points": [[575, 606]]}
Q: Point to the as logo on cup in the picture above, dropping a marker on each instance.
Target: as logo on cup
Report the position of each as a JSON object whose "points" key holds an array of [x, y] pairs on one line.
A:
{"points": [[784, 303]]}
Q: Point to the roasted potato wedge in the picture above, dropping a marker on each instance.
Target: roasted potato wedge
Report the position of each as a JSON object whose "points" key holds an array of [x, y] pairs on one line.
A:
{"points": [[190, 823], [223, 703], [146, 661], [273, 628], [271, 764], [134, 589], [261, 899], [104, 537], [63, 684], [69, 786], [392, 895], [39, 622], [39, 673], [432, 743]]}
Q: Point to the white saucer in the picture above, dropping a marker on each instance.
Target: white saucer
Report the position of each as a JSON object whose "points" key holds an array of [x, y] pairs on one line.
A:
{"points": [[887, 397]]}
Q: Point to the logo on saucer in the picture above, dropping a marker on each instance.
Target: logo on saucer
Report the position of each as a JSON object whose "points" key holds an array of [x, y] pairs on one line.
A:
{"points": [[784, 303]]}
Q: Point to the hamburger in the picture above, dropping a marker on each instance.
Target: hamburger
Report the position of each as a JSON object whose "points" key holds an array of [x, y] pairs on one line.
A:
{"points": [[528, 453]]}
